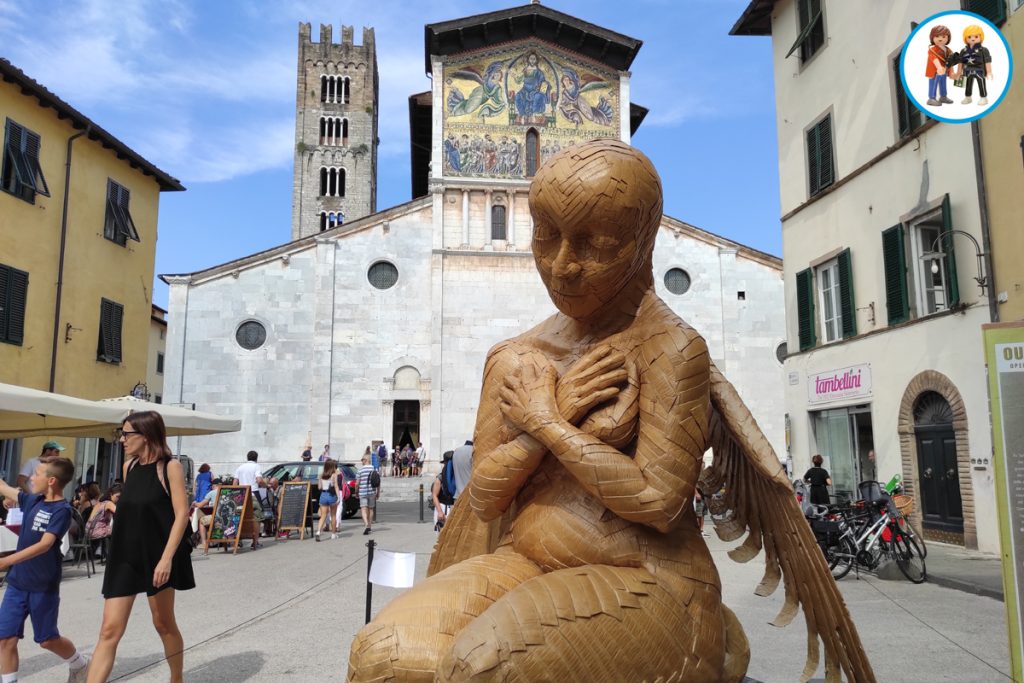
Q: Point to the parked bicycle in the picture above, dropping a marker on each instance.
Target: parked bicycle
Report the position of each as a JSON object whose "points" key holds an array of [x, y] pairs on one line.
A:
{"points": [[862, 534]]}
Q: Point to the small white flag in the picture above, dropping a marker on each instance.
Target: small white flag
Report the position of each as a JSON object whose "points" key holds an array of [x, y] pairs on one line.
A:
{"points": [[393, 569]]}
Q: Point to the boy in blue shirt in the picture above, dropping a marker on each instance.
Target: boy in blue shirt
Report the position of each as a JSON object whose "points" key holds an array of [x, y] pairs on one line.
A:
{"points": [[33, 583]]}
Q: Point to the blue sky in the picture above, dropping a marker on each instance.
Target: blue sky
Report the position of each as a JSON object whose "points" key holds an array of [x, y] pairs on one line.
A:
{"points": [[206, 91]]}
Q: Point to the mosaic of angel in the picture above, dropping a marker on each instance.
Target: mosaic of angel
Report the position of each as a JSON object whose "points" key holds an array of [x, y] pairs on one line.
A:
{"points": [[574, 553], [486, 99], [572, 105]]}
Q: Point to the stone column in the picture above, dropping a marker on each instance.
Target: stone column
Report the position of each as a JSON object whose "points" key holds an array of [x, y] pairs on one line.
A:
{"points": [[465, 218], [387, 409], [430, 464]]}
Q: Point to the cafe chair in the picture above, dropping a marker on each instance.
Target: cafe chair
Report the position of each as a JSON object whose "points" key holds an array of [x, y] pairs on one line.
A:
{"points": [[81, 547]]}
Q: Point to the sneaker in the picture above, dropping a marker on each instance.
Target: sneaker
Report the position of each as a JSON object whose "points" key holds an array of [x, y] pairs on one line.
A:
{"points": [[334, 537], [934, 102], [705, 534], [945, 100], [366, 531], [80, 674], [317, 537], [966, 100], [982, 101]]}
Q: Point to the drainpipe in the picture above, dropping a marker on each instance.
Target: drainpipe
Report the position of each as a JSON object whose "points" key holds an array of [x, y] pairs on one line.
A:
{"points": [[986, 242], [63, 244]]}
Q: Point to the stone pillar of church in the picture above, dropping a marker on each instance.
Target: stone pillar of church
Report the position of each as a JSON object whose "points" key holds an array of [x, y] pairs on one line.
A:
{"points": [[430, 465], [510, 230], [387, 409], [465, 218]]}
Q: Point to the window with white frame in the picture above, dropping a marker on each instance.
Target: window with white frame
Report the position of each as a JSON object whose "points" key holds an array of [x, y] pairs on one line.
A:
{"points": [[929, 281], [827, 276]]}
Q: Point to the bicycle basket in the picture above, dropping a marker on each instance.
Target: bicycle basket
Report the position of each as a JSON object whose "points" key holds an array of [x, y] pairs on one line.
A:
{"points": [[904, 503]]}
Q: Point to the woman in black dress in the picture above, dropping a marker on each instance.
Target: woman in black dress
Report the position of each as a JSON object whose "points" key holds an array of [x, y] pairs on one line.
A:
{"points": [[819, 480], [148, 551]]}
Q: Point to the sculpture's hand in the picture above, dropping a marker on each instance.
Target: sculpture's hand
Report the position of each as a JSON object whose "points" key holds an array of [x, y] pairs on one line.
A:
{"points": [[591, 381], [528, 397]]}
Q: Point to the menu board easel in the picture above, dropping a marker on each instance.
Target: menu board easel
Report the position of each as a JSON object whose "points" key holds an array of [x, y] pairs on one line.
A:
{"points": [[291, 511], [231, 512]]}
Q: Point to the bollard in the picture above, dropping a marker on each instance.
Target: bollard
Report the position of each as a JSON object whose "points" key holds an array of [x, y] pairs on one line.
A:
{"points": [[369, 586], [421, 503]]}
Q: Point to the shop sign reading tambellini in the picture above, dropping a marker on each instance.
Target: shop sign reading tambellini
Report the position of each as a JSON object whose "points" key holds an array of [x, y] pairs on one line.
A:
{"points": [[835, 385]]}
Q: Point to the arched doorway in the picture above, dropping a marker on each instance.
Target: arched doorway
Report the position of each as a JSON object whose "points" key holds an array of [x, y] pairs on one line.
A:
{"points": [[938, 471]]}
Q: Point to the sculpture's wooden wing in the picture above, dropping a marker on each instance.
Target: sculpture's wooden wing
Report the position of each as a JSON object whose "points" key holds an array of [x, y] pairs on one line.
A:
{"points": [[747, 491]]}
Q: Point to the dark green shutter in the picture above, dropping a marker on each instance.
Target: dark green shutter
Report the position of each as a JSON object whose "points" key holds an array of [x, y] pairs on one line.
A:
{"points": [[819, 156], [5, 306], [812, 161], [117, 315], [993, 10], [949, 263], [907, 115], [805, 308], [17, 298], [847, 305], [894, 256]]}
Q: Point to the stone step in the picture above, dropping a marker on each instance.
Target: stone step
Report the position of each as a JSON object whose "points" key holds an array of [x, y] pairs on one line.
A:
{"points": [[405, 488]]}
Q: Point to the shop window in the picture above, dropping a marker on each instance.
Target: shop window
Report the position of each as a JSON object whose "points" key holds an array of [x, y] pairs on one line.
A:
{"points": [[820, 163], [13, 300], [22, 175], [843, 436], [109, 347], [812, 29], [920, 266]]}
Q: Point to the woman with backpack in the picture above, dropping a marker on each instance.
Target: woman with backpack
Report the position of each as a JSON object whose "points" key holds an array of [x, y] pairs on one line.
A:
{"points": [[329, 497]]}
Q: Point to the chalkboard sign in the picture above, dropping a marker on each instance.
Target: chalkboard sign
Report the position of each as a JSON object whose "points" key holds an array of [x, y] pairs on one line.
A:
{"points": [[291, 511], [231, 512]]}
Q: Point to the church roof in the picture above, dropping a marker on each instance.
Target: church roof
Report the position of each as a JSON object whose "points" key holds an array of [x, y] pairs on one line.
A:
{"points": [[79, 121], [534, 20]]}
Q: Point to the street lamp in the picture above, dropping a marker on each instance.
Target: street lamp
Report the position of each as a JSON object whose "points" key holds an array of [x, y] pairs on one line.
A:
{"points": [[934, 256]]}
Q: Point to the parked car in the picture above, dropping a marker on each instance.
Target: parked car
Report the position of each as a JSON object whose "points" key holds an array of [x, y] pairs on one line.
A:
{"points": [[310, 471]]}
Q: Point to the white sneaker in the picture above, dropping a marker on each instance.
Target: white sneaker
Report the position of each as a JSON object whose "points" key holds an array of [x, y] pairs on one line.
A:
{"points": [[81, 674], [982, 101], [966, 100], [334, 536]]}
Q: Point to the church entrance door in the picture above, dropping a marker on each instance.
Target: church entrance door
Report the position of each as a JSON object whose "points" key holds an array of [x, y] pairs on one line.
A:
{"points": [[405, 430]]}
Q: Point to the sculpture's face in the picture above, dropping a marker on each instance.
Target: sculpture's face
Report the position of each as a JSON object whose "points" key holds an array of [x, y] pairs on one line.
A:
{"points": [[585, 263]]}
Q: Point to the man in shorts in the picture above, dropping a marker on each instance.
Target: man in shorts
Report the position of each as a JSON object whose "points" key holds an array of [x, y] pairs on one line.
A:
{"points": [[367, 493]]}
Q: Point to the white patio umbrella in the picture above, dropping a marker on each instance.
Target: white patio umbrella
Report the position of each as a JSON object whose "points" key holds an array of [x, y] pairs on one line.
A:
{"points": [[33, 412], [179, 421], [28, 412]]}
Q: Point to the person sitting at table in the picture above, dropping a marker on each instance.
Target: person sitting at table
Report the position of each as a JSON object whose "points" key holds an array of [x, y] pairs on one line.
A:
{"points": [[204, 481], [269, 504], [200, 507]]}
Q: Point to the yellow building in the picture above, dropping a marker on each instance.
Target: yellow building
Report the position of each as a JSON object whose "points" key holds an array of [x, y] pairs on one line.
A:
{"points": [[78, 229], [157, 349], [1002, 147]]}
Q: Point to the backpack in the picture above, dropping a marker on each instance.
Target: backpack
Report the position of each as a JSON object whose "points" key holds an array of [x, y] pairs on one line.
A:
{"points": [[375, 479], [446, 496]]}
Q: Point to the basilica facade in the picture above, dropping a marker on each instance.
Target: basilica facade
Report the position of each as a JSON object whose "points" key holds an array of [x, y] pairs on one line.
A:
{"points": [[376, 327]]}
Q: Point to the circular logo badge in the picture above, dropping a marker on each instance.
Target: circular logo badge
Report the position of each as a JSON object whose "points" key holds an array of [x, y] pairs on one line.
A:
{"points": [[956, 66]]}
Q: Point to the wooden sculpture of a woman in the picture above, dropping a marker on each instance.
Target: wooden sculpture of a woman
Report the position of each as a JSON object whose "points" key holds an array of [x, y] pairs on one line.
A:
{"points": [[573, 555]]}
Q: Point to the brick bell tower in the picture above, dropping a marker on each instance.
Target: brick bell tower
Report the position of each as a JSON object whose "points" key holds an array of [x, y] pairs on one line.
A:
{"points": [[336, 96]]}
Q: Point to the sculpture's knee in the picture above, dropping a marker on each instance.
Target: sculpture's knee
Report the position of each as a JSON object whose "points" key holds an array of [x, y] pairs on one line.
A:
{"points": [[375, 654]]}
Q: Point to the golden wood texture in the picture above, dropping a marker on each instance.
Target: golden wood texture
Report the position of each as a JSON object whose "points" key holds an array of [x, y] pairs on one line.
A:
{"points": [[573, 554]]}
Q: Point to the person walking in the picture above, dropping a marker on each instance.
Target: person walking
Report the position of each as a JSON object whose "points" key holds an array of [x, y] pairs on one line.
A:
{"points": [[329, 497], [149, 552], [367, 493], [819, 480]]}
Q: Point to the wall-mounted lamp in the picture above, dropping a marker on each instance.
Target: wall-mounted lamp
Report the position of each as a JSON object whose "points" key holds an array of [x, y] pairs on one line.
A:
{"points": [[934, 256]]}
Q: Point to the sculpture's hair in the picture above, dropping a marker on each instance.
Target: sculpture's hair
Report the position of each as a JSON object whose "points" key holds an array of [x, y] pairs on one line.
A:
{"points": [[619, 182]]}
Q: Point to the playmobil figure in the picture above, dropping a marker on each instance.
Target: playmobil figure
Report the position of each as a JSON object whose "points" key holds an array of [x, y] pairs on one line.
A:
{"points": [[975, 63], [938, 56]]}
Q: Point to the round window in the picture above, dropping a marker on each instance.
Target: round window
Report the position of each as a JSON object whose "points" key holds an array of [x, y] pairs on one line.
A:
{"points": [[677, 281], [781, 352], [251, 335], [382, 275]]}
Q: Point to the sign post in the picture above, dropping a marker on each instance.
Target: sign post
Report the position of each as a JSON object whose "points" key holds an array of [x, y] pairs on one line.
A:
{"points": [[1004, 358]]}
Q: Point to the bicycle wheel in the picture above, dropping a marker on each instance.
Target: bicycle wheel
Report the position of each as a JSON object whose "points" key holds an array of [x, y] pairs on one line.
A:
{"points": [[917, 537], [909, 557], [840, 557]]}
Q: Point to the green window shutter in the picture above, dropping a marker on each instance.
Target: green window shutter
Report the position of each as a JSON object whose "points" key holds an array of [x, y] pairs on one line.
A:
{"points": [[819, 156], [105, 347], [17, 297], [993, 10], [813, 165], [116, 316], [949, 263], [812, 31], [5, 306], [805, 308], [894, 257], [847, 305], [908, 117]]}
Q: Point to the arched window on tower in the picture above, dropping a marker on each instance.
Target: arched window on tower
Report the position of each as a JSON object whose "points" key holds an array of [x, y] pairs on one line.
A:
{"points": [[323, 88], [344, 132], [323, 182], [345, 93], [323, 221], [498, 231], [532, 152], [341, 182], [323, 130]]}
